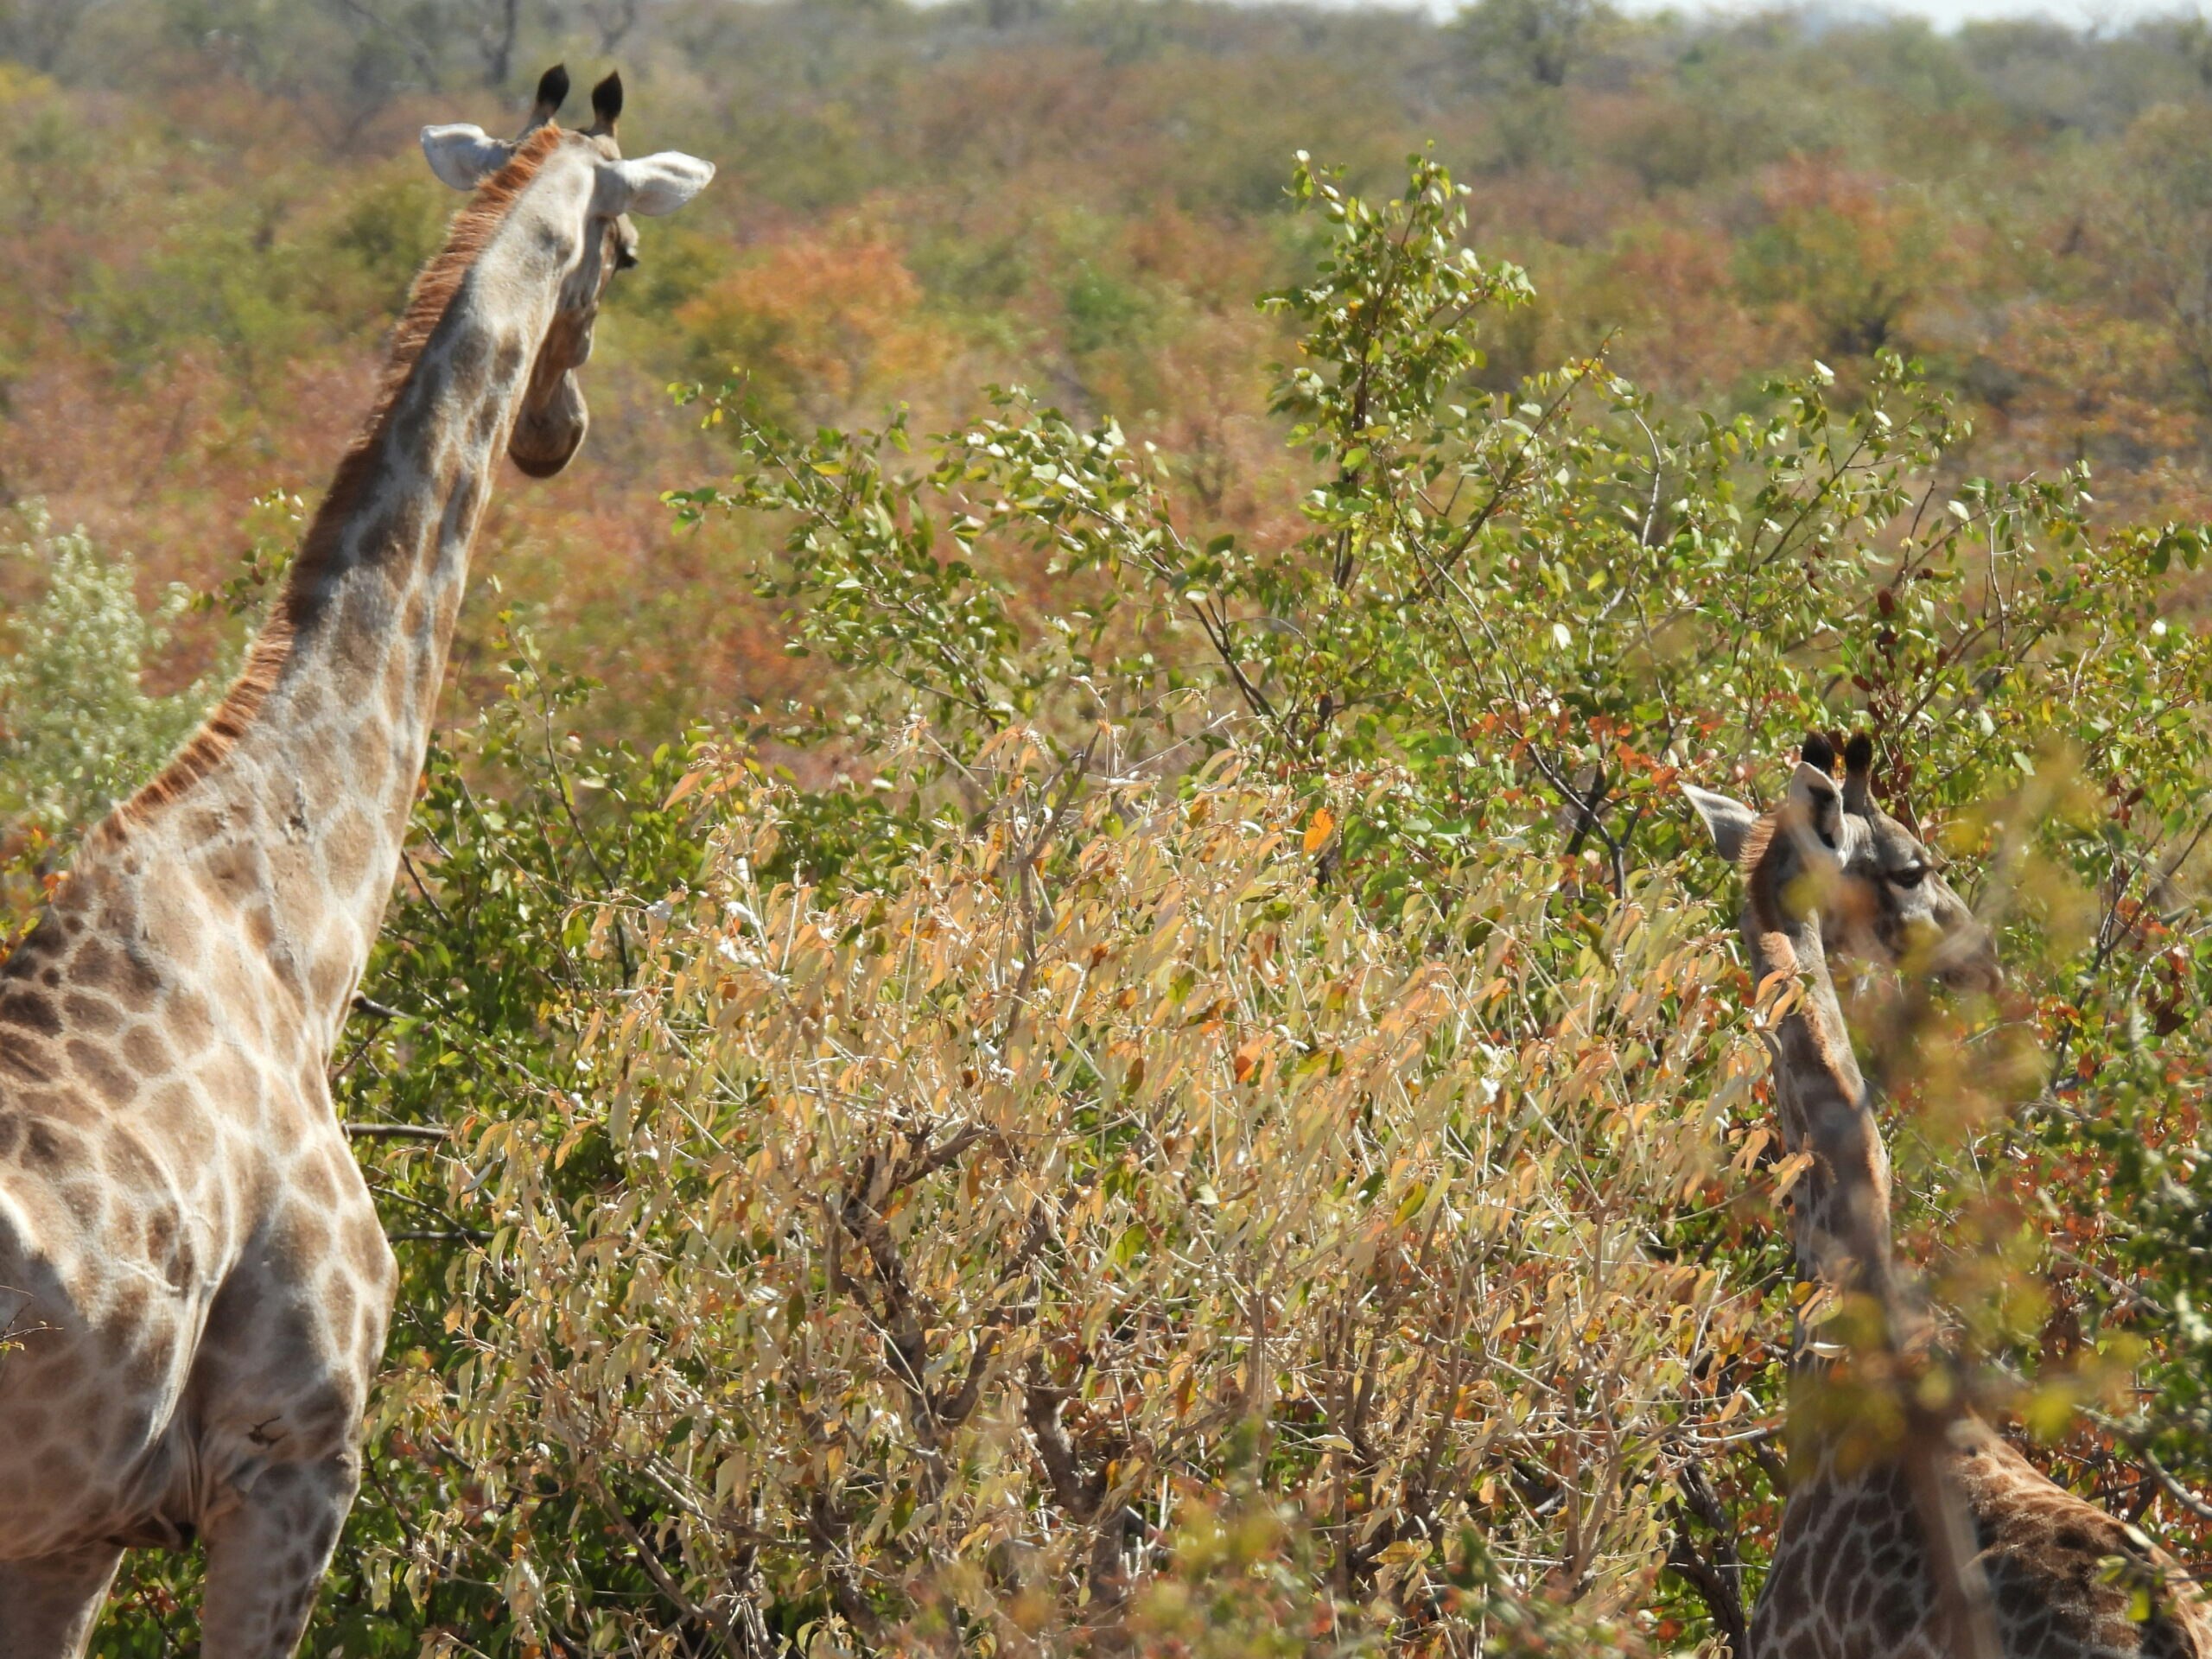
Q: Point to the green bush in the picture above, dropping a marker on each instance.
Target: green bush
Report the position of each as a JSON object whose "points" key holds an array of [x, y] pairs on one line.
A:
{"points": [[77, 728]]}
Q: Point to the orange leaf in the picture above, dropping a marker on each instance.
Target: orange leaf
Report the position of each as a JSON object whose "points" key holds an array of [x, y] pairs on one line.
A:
{"points": [[1317, 833]]}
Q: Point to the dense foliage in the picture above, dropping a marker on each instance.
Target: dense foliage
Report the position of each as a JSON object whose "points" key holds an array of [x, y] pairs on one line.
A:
{"points": [[214, 207], [1184, 1086]]}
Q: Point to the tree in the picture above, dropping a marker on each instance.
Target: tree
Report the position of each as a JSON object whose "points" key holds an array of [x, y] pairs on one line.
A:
{"points": [[38, 32], [1848, 252], [2160, 228], [1538, 40]]}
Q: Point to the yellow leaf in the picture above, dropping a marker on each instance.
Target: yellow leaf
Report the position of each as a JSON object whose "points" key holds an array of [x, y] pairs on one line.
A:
{"points": [[1317, 833], [1249, 1055], [1787, 1172], [1415, 1197]]}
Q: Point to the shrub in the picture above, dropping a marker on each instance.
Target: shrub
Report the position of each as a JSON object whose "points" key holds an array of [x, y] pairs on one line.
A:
{"points": [[77, 727], [941, 1247]]}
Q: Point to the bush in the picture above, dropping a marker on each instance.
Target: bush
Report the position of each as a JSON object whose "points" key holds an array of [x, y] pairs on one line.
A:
{"points": [[77, 728], [938, 1246]]}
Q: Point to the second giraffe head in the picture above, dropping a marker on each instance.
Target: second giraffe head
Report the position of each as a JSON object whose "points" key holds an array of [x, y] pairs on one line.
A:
{"points": [[586, 192], [1829, 850]]}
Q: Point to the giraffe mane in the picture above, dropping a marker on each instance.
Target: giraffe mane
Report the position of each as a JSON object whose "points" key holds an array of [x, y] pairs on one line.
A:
{"points": [[1758, 862], [1766, 909], [1755, 844], [470, 234]]}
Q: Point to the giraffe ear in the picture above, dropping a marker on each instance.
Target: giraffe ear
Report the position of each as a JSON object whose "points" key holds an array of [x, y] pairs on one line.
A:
{"points": [[607, 103], [463, 155], [1818, 806], [1858, 775], [1729, 822], [552, 92], [653, 185]]}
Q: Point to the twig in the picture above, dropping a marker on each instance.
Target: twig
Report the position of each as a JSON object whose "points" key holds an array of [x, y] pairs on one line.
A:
{"points": [[657, 1570], [1719, 1581]]}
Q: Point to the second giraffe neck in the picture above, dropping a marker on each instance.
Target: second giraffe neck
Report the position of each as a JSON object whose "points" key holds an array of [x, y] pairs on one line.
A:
{"points": [[1839, 1212], [297, 824]]}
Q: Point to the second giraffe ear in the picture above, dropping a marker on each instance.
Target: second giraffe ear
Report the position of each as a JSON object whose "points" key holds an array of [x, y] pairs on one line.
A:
{"points": [[463, 155]]}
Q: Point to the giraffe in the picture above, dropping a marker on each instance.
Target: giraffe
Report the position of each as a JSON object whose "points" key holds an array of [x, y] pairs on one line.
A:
{"points": [[193, 1284], [1926, 1535]]}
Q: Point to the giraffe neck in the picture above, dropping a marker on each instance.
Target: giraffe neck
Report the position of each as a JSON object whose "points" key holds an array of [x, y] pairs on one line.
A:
{"points": [[1839, 1212], [286, 816]]}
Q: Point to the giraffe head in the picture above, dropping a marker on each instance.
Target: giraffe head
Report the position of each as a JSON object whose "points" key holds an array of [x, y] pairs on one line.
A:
{"points": [[551, 424], [1829, 850]]}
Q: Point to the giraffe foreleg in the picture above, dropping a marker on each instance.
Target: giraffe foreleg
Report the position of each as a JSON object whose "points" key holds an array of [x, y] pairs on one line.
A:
{"points": [[266, 1556], [48, 1606]]}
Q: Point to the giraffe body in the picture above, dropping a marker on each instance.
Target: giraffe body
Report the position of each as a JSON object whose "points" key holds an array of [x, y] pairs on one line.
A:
{"points": [[1848, 1582], [1935, 1540], [192, 1276]]}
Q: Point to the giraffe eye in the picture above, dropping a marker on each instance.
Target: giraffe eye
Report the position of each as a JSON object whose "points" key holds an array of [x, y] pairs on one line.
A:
{"points": [[1911, 877]]}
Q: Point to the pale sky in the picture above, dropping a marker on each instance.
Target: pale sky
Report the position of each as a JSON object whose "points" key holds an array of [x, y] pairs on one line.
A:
{"points": [[2110, 14]]}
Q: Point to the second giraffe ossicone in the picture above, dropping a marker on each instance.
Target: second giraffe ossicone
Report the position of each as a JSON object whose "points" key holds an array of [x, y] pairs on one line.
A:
{"points": [[1920, 1535], [194, 1286]]}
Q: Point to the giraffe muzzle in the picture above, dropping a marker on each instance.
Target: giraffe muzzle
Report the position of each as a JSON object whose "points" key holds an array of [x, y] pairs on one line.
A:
{"points": [[549, 431]]}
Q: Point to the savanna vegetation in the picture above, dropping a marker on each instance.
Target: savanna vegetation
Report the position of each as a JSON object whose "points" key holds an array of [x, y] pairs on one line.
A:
{"points": [[1102, 1031]]}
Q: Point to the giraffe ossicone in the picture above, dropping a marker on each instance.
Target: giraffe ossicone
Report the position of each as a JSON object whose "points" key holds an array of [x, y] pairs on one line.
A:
{"points": [[1921, 1533], [195, 1283]]}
